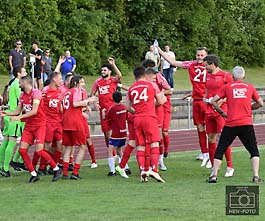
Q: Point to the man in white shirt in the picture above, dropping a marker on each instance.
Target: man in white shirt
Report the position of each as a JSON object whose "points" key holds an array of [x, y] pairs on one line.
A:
{"points": [[168, 69]]}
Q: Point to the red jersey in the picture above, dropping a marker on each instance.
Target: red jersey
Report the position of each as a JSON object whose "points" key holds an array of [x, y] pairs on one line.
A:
{"points": [[142, 96], [239, 96], [26, 100], [163, 84], [105, 88], [117, 116], [197, 73], [214, 84], [72, 116], [52, 104], [63, 89]]}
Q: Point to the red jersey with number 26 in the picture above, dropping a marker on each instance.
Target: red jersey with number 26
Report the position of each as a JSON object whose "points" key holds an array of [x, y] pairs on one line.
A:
{"points": [[26, 100], [198, 75], [72, 116], [142, 96]]}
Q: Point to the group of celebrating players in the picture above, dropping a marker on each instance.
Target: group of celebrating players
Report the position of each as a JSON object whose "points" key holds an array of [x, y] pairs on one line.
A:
{"points": [[47, 118]]}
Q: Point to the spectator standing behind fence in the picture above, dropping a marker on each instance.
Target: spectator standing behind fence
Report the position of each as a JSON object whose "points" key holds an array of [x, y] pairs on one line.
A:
{"points": [[153, 55], [68, 65], [37, 53], [46, 62], [17, 57], [168, 69]]}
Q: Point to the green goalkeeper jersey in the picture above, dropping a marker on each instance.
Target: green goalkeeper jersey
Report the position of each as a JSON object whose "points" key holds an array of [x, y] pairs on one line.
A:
{"points": [[13, 95]]}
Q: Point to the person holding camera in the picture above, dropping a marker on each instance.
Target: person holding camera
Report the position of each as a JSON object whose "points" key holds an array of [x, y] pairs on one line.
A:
{"points": [[238, 123]]}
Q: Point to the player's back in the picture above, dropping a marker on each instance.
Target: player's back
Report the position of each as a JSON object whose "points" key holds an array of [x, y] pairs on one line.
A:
{"points": [[142, 96]]}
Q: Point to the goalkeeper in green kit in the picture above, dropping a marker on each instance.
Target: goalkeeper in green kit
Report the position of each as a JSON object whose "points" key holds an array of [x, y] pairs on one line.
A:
{"points": [[12, 130]]}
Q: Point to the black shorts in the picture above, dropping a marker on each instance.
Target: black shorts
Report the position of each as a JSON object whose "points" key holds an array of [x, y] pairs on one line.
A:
{"points": [[37, 73], [245, 133]]}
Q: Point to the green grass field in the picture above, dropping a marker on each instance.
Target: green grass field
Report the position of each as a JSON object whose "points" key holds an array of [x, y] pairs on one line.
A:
{"points": [[255, 76], [184, 196]]}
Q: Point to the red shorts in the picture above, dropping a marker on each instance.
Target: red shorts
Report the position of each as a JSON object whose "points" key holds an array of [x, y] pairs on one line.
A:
{"points": [[131, 128], [160, 115], [54, 132], [33, 133], [198, 112], [105, 124], [214, 124], [73, 138], [146, 130]]}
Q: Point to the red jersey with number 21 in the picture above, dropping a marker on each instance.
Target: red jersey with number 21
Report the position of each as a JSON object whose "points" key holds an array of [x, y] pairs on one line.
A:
{"points": [[198, 75], [142, 94]]}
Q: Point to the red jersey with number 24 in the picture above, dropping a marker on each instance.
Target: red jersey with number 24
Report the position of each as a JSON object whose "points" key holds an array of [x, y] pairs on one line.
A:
{"points": [[142, 96]]}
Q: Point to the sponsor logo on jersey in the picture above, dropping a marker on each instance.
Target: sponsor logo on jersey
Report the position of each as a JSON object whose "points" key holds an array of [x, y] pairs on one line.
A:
{"points": [[239, 92], [27, 107], [53, 102], [103, 89]]}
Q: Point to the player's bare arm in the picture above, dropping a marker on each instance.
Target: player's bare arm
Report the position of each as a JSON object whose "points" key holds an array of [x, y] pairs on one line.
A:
{"points": [[59, 64], [257, 104], [160, 98], [216, 105], [12, 113], [170, 60], [168, 92], [186, 96], [115, 68], [129, 106]]}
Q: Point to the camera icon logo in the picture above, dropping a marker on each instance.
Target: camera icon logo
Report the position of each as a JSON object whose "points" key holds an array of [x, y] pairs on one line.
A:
{"points": [[242, 200]]}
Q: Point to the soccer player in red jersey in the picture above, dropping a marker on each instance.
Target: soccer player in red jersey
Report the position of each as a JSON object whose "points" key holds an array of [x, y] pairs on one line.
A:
{"points": [[163, 112], [239, 96], [117, 116], [31, 102], [86, 111], [141, 102], [73, 130], [216, 79], [52, 96], [104, 87], [197, 74]]}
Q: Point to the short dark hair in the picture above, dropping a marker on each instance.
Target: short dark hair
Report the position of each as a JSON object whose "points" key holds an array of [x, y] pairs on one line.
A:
{"points": [[53, 75], [138, 72], [35, 42], [75, 80], [202, 49], [68, 75], [148, 63], [117, 96], [17, 69], [107, 66], [26, 78], [212, 59], [149, 71]]}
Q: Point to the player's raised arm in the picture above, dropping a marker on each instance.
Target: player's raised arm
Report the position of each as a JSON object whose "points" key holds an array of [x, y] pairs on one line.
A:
{"points": [[115, 68], [170, 60]]}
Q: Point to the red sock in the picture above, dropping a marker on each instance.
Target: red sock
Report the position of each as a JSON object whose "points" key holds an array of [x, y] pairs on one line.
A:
{"points": [[71, 160], [76, 169], [228, 157], [203, 141], [212, 149], [47, 157], [126, 155], [140, 159], [65, 168], [91, 151], [26, 158], [147, 157], [161, 148], [56, 156], [43, 163], [35, 159], [154, 158], [166, 143]]}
